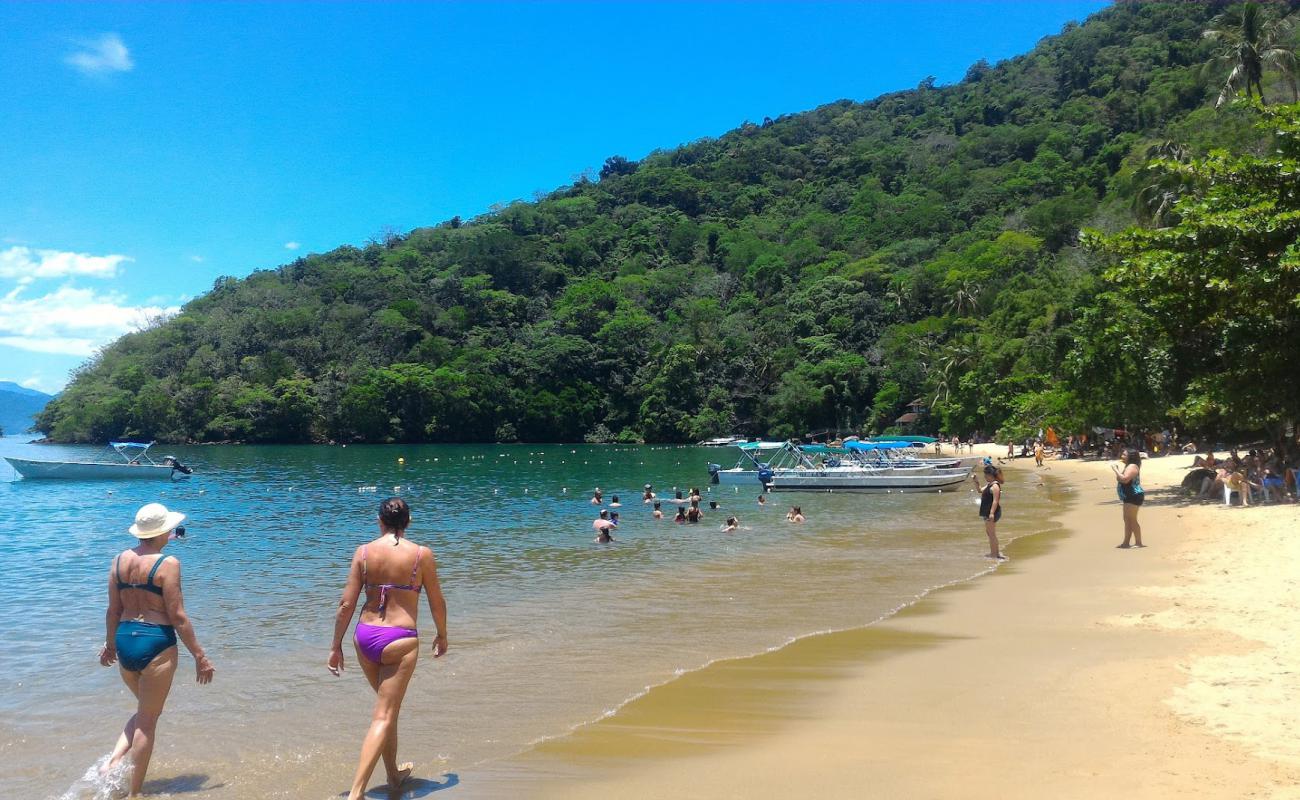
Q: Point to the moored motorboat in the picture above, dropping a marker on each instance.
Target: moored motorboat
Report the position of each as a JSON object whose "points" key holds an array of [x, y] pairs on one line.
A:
{"points": [[135, 464], [856, 467]]}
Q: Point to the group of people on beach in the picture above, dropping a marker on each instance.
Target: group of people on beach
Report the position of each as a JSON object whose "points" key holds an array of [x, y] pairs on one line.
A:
{"points": [[146, 615], [1259, 476], [688, 512]]}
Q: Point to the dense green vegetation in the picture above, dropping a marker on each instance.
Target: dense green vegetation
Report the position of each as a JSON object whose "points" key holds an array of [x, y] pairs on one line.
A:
{"points": [[815, 271]]}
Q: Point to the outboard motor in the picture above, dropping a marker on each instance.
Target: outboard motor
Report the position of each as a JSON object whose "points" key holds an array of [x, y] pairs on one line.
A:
{"points": [[177, 466], [713, 472]]}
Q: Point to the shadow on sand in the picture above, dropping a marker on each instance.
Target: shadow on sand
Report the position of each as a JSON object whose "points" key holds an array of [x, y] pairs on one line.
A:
{"points": [[181, 784], [414, 787]]}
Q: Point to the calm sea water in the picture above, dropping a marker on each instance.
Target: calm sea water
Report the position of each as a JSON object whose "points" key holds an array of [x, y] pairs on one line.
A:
{"points": [[548, 629]]}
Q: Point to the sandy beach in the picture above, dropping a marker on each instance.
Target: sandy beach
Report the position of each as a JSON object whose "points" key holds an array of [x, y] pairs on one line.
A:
{"points": [[1074, 670]]}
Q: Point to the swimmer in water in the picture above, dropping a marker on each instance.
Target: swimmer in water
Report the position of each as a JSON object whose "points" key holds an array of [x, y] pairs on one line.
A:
{"points": [[597, 497], [604, 536], [795, 514], [613, 502], [693, 514], [658, 513], [648, 496], [731, 525], [680, 519], [713, 505], [762, 500]]}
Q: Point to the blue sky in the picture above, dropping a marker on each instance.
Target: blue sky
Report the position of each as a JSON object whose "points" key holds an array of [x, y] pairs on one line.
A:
{"points": [[149, 149]]}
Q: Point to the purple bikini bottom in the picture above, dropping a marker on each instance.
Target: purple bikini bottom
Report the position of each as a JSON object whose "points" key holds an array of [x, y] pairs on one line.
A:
{"points": [[372, 639]]}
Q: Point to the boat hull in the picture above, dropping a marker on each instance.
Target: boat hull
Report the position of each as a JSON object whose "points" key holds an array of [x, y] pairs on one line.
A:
{"points": [[84, 471], [883, 483]]}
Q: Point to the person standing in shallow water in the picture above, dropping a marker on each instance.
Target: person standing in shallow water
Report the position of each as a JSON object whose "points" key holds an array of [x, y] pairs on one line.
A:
{"points": [[991, 507], [1128, 485], [392, 570], [145, 615]]}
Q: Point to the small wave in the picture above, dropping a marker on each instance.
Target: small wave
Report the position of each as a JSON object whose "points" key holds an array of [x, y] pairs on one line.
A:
{"points": [[96, 784]]}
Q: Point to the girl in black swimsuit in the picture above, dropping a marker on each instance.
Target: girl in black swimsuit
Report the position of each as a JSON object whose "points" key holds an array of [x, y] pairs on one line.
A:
{"points": [[991, 507]]}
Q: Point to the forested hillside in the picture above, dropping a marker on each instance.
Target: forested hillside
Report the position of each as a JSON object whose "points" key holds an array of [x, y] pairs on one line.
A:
{"points": [[818, 270]]}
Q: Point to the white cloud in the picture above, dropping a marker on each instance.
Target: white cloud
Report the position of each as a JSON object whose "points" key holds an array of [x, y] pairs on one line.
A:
{"points": [[292, 245], [27, 264], [71, 321], [101, 56], [197, 259], [34, 382]]}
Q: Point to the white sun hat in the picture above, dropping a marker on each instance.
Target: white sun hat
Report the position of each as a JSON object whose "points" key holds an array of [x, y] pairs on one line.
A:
{"points": [[154, 520]]}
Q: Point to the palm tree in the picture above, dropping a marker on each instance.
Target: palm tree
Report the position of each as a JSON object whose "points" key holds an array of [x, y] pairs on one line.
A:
{"points": [[1250, 40], [966, 298], [1154, 203]]}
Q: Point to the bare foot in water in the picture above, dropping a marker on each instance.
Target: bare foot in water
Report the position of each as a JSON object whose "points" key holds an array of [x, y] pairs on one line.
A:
{"points": [[403, 772]]}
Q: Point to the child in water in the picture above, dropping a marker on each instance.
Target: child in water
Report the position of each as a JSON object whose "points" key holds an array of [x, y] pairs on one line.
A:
{"points": [[658, 512], [731, 525], [680, 519], [762, 500], [795, 514], [613, 502]]}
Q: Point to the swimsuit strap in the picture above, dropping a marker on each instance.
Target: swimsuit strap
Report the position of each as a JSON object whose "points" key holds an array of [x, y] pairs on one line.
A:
{"points": [[415, 570], [156, 565]]}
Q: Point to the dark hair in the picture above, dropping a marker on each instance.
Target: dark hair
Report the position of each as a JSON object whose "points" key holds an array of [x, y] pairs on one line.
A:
{"points": [[731, 520], [713, 504], [679, 495], [395, 514], [1133, 456], [989, 469], [657, 505], [614, 499]]}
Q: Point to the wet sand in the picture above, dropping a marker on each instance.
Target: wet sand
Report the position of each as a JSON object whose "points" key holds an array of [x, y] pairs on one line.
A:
{"points": [[1074, 670]]}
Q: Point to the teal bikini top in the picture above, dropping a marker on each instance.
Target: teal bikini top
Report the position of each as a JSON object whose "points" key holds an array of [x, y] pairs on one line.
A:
{"points": [[148, 585]]}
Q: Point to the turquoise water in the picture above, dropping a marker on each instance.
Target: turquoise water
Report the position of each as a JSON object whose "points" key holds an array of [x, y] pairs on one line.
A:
{"points": [[548, 629]]}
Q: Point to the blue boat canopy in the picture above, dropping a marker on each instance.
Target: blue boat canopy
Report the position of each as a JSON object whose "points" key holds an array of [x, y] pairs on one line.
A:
{"points": [[868, 446], [761, 445]]}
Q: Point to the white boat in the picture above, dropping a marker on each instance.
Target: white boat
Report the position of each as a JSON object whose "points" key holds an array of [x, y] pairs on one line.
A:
{"points": [[135, 464], [750, 462], [856, 467], [721, 441]]}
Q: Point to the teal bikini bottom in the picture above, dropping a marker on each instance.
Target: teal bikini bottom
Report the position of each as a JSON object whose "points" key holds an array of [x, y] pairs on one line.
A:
{"points": [[138, 643]]}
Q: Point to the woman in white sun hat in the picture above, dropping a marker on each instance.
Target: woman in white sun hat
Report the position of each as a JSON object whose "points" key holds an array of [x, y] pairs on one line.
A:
{"points": [[145, 615]]}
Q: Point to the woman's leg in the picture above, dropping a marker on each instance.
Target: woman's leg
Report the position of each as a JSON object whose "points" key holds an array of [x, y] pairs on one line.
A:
{"points": [[396, 773], [390, 684], [155, 682], [991, 530], [1131, 526], [132, 681]]}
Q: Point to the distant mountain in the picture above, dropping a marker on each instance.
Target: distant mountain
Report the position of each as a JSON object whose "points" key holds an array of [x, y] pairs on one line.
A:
{"points": [[19, 405]]}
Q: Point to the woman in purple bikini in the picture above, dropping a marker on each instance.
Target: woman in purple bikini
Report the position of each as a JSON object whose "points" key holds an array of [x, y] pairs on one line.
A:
{"points": [[387, 642]]}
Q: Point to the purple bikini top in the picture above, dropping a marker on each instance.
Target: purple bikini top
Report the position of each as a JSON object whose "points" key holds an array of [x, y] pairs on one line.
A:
{"points": [[384, 587]]}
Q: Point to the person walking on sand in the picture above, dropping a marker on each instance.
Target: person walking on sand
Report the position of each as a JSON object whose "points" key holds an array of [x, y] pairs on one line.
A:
{"points": [[146, 613], [1128, 484], [392, 569], [991, 507], [1038, 453]]}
